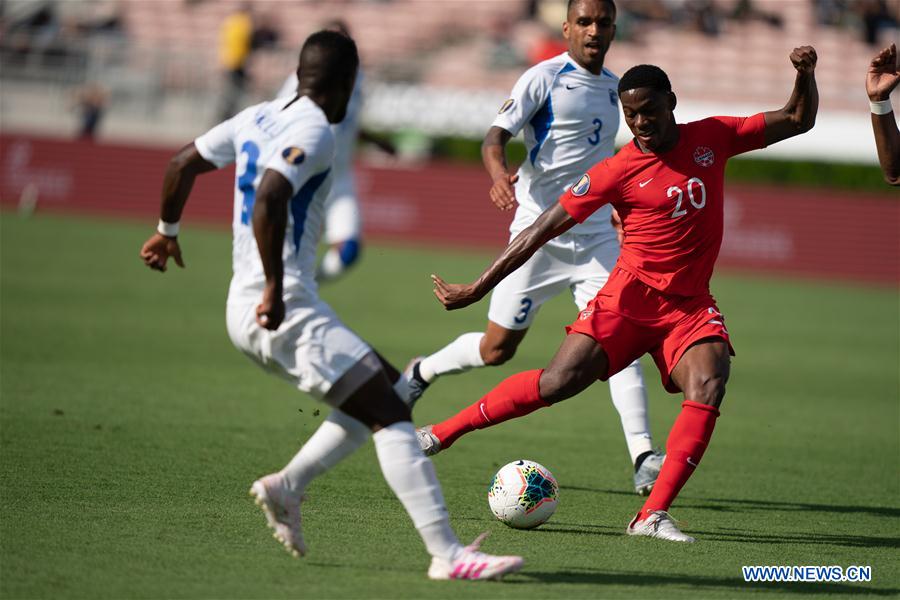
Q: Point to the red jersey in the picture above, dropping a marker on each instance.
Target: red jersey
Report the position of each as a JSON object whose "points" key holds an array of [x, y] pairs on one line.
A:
{"points": [[671, 204]]}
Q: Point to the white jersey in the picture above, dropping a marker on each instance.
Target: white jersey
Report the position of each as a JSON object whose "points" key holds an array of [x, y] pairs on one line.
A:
{"points": [[297, 142], [345, 135], [570, 118]]}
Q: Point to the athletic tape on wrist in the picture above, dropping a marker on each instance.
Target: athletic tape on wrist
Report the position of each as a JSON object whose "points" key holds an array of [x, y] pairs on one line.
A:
{"points": [[881, 107], [168, 229]]}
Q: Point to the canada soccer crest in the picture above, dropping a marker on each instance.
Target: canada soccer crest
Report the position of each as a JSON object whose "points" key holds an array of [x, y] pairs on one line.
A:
{"points": [[704, 156], [581, 188]]}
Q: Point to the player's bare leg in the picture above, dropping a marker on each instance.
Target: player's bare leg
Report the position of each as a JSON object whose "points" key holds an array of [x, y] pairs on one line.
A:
{"points": [[494, 346], [499, 344], [701, 374], [577, 364]]}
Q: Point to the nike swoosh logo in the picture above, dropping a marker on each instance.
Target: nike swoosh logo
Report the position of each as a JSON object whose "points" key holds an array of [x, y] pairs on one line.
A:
{"points": [[691, 462], [484, 414], [642, 184], [571, 87]]}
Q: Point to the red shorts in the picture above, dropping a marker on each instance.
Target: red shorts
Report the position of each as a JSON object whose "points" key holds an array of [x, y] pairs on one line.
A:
{"points": [[629, 319]]}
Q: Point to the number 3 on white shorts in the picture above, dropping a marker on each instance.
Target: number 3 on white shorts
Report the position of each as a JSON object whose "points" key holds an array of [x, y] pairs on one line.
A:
{"points": [[675, 190], [523, 313]]}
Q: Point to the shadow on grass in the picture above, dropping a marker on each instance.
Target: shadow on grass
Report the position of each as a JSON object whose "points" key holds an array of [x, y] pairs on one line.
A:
{"points": [[743, 535], [825, 539], [698, 583], [736, 505]]}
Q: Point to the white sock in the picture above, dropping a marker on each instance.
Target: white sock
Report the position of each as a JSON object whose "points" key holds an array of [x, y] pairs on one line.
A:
{"points": [[332, 265], [460, 355], [411, 475], [335, 439], [630, 399]]}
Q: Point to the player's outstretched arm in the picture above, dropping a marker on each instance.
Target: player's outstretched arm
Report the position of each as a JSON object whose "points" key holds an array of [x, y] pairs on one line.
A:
{"points": [[883, 76], [552, 222], [269, 226], [493, 154], [383, 144], [177, 183], [799, 114]]}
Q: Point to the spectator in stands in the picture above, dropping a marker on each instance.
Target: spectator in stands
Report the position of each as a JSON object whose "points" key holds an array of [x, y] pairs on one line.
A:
{"points": [[746, 10], [90, 102], [882, 78], [265, 33], [234, 50], [704, 16], [30, 26], [699, 15], [875, 16], [647, 10], [830, 12], [503, 53]]}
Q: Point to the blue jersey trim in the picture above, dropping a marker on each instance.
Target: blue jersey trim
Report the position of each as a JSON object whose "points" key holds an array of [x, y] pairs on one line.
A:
{"points": [[543, 118], [300, 204], [541, 122], [607, 72]]}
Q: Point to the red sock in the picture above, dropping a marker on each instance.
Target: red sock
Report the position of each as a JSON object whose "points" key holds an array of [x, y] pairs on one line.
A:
{"points": [[685, 447], [514, 397]]}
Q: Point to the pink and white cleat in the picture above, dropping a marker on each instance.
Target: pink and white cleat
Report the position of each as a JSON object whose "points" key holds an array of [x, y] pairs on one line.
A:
{"points": [[474, 565], [282, 510]]}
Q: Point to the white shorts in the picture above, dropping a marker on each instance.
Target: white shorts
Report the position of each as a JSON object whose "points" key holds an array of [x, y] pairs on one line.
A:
{"points": [[343, 220], [312, 349], [579, 263]]}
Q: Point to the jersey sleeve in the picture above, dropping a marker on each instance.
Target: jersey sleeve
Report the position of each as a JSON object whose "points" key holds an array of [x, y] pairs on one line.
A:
{"points": [[217, 145], [529, 93], [745, 133], [599, 186], [302, 153]]}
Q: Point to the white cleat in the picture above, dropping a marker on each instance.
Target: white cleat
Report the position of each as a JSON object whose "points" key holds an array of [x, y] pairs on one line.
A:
{"points": [[645, 477], [428, 442], [282, 510], [474, 565], [660, 525]]}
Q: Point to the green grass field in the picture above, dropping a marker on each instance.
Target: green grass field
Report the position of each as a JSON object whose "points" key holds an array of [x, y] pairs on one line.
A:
{"points": [[131, 430]]}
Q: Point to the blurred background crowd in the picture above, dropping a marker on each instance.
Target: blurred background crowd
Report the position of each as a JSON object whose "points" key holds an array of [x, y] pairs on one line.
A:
{"points": [[160, 71]]}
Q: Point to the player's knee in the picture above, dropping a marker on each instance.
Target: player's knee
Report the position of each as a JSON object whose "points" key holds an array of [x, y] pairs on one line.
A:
{"points": [[706, 387], [497, 354], [559, 384]]}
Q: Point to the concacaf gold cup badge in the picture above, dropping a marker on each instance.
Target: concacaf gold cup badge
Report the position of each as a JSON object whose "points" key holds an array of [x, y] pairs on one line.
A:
{"points": [[293, 155]]}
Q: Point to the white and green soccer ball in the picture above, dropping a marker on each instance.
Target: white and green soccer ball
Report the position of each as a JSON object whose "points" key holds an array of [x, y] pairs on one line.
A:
{"points": [[523, 494]]}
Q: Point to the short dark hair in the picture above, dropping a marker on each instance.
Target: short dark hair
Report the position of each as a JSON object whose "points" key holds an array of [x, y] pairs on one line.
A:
{"points": [[571, 3], [645, 76], [329, 56]]}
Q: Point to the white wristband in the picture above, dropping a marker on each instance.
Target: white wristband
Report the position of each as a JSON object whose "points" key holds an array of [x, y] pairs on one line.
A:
{"points": [[167, 229], [881, 107]]}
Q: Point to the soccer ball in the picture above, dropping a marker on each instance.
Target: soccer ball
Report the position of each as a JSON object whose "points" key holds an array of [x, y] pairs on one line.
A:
{"points": [[523, 494]]}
